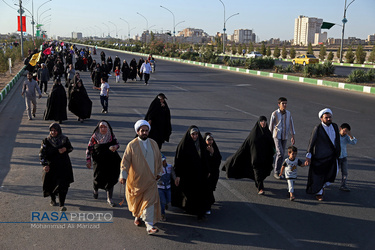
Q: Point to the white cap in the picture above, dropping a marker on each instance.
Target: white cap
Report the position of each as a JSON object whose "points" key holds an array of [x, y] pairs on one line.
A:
{"points": [[324, 111], [141, 123]]}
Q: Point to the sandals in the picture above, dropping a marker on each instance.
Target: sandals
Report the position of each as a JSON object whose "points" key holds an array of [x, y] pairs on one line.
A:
{"points": [[292, 198], [319, 197], [152, 231], [137, 222], [261, 192]]}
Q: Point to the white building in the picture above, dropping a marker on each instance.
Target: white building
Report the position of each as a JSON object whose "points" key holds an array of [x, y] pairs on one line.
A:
{"points": [[305, 29], [320, 38], [371, 38], [243, 36], [77, 35]]}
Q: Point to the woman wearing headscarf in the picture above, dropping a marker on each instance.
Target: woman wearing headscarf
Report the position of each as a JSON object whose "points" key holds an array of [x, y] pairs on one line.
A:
{"points": [[109, 64], [133, 69], [214, 161], [103, 147], [140, 62], [116, 63], [159, 117], [58, 172], [192, 172], [56, 103], [255, 157], [97, 75], [79, 102], [125, 71]]}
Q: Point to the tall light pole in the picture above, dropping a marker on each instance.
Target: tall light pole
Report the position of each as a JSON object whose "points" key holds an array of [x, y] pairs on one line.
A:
{"points": [[37, 11], [224, 28], [109, 32], [128, 27], [344, 20], [39, 18], [101, 32], [174, 26], [115, 27], [145, 19], [21, 28]]}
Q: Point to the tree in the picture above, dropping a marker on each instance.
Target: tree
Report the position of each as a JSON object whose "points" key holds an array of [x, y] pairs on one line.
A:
{"points": [[371, 58], [239, 49], [268, 51], [292, 52], [284, 52], [338, 52], [330, 56], [251, 47], [234, 50], [322, 53], [263, 49], [349, 55], [276, 52], [360, 54], [310, 49]]}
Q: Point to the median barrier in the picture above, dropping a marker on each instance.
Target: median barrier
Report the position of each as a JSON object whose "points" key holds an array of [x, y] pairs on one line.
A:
{"points": [[5, 91]]}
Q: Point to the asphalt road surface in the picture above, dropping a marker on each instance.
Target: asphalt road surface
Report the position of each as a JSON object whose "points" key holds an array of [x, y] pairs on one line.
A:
{"points": [[225, 103]]}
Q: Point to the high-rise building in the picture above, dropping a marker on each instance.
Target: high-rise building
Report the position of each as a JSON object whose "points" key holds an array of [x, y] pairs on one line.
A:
{"points": [[77, 35], [305, 29], [243, 36]]}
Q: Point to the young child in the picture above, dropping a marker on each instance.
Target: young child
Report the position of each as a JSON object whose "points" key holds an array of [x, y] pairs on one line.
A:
{"points": [[290, 166], [104, 91], [164, 186], [117, 73], [345, 138]]}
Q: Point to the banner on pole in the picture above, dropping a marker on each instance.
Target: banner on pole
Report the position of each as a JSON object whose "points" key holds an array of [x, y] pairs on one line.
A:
{"points": [[23, 24]]}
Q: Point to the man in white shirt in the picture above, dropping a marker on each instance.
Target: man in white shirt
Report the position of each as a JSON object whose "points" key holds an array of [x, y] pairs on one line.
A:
{"points": [[28, 89], [104, 93], [146, 70], [322, 154]]}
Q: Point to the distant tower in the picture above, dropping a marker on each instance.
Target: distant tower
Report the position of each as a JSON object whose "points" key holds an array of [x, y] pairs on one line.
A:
{"points": [[305, 29]]}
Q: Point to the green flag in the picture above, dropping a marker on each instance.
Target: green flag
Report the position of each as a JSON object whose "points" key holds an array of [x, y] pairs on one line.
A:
{"points": [[327, 25]]}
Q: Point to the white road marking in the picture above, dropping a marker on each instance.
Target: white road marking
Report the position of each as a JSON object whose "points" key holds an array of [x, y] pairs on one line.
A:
{"points": [[256, 116], [242, 85], [335, 107], [139, 113], [181, 88], [262, 215]]}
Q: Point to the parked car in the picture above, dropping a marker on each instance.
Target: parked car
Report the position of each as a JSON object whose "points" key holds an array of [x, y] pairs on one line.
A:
{"points": [[254, 54], [305, 59]]}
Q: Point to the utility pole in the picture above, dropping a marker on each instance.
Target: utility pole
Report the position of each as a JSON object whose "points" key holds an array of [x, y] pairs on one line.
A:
{"points": [[21, 28]]}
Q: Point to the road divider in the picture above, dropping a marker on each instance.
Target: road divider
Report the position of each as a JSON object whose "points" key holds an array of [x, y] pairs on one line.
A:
{"points": [[5, 91]]}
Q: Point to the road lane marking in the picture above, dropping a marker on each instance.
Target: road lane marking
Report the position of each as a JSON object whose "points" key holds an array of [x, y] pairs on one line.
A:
{"points": [[139, 113], [335, 107], [262, 215], [239, 110], [181, 88]]}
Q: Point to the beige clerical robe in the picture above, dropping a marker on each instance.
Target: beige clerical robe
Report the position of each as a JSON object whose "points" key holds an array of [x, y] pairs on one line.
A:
{"points": [[141, 184]]}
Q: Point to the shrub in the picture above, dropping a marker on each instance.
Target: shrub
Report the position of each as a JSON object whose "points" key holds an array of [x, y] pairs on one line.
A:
{"points": [[357, 75], [328, 68], [370, 75], [278, 68], [330, 56], [349, 55], [259, 63]]}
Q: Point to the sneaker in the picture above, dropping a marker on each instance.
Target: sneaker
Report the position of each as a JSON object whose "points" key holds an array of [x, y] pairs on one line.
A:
{"points": [[111, 203], [33, 115], [276, 176], [105, 112], [102, 110], [344, 188], [152, 231]]}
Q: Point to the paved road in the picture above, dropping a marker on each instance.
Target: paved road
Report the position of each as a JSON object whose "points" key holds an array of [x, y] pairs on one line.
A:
{"points": [[226, 104]]}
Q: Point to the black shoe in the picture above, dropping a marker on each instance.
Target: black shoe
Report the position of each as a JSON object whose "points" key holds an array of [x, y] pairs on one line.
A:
{"points": [[96, 195], [53, 203], [111, 203]]}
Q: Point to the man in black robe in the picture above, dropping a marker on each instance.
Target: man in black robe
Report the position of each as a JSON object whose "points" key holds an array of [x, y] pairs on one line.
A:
{"points": [[322, 154], [159, 116]]}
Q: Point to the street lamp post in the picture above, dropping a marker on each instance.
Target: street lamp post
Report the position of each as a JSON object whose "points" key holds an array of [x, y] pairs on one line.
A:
{"points": [[109, 32], [40, 16], [145, 19], [224, 28], [101, 32], [128, 27], [174, 26], [344, 20], [21, 28], [115, 27], [37, 11]]}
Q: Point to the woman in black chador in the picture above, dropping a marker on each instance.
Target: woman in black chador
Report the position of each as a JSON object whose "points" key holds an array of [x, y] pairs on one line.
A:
{"points": [[214, 161], [116, 63], [159, 117], [133, 69], [103, 147], [79, 102], [255, 157], [58, 172], [97, 75], [140, 62], [125, 71], [56, 103], [109, 64], [192, 171]]}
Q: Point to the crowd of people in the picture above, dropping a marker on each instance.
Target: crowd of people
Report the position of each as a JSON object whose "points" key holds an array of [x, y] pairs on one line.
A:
{"points": [[151, 183]]}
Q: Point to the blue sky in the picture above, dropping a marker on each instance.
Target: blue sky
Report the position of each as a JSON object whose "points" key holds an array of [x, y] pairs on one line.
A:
{"points": [[268, 18]]}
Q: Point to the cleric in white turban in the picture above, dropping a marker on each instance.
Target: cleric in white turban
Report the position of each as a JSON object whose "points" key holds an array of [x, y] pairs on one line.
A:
{"points": [[141, 123], [324, 111], [323, 152]]}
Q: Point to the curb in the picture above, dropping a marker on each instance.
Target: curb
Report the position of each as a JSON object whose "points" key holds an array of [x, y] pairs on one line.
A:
{"points": [[340, 85], [11, 84]]}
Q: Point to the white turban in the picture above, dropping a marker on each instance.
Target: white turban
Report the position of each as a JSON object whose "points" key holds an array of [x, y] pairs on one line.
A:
{"points": [[324, 111], [141, 123]]}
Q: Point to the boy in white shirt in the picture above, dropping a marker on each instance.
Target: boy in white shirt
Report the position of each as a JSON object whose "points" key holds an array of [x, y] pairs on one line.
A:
{"points": [[104, 94], [290, 166]]}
